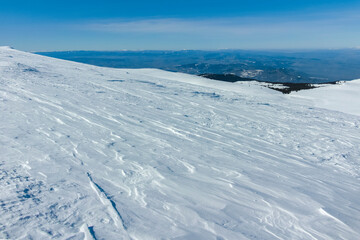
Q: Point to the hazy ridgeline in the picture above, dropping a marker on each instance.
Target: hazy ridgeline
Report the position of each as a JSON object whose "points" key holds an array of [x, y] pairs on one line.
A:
{"points": [[314, 66]]}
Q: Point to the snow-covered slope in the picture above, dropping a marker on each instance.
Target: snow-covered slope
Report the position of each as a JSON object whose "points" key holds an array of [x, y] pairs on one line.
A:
{"points": [[343, 97], [97, 153]]}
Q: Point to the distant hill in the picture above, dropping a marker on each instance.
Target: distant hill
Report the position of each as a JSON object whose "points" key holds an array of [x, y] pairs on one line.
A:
{"points": [[271, 66]]}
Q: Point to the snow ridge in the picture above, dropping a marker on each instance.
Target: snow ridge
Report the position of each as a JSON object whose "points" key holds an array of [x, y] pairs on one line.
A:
{"points": [[106, 200]]}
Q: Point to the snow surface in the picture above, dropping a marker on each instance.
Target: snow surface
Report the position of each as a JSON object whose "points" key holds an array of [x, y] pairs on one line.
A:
{"points": [[98, 153], [343, 97]]}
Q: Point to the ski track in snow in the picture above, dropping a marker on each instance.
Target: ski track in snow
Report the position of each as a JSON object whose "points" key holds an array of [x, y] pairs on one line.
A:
{"points": [[98, 153]]}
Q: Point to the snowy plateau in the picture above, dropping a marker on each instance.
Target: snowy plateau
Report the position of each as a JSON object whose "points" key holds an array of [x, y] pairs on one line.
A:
{"points": [[98, 153]]}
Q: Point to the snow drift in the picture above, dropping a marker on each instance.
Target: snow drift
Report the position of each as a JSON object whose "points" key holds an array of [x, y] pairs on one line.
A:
{"points": [[98, 153]]}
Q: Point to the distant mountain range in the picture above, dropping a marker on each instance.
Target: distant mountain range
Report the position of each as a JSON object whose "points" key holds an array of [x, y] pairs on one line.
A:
{"points": [[316, 66]]}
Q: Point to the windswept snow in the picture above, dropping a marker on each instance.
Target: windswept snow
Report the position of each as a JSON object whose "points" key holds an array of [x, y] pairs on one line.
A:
{"points": [[98, 153]]}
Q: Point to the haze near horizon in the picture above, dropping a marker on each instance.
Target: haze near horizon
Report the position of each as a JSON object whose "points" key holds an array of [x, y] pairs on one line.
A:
{"points": [[158, 25]]}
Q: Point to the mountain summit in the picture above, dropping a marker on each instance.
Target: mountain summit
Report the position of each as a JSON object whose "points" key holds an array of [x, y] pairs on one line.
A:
{"points": [[98, 153]]}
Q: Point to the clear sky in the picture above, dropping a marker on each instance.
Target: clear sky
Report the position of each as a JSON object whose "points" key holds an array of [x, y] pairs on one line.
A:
{"points": [[40, 25]]}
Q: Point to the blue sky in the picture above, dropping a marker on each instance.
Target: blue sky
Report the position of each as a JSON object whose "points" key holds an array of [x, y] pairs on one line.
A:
{"points": [[115, 25]]}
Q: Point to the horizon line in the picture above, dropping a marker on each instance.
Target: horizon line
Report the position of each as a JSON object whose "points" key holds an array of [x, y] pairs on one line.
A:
{"points": [[201, 50]]}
